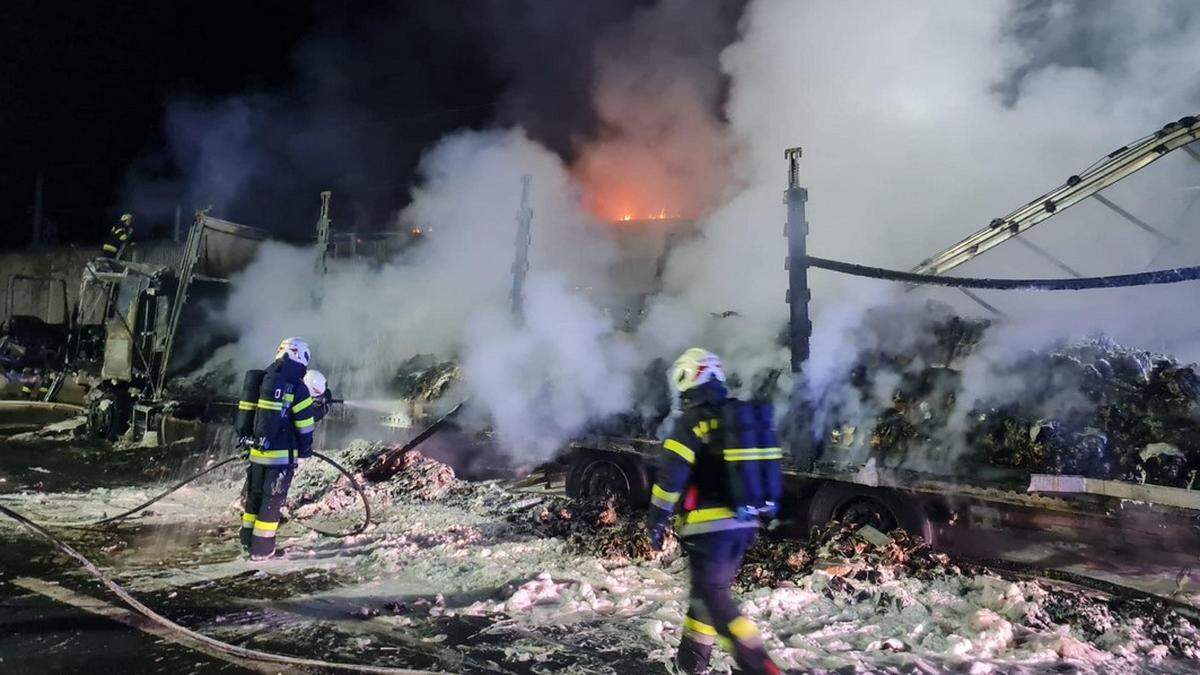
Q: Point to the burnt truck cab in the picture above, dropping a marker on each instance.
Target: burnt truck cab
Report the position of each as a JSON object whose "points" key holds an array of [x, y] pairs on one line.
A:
{"points": [[139, 324]]}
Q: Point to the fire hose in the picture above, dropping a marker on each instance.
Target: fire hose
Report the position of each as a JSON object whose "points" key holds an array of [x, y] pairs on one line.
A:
{"points": [[234, 650], [146, 504]]}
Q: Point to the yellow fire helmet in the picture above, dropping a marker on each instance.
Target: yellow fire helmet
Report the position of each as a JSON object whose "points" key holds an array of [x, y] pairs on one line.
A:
{"points": [[695, 367]]}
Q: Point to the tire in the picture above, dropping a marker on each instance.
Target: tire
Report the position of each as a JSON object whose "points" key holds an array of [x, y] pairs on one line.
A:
{"points": [[881, 508], [109, 422], [595, 474]]}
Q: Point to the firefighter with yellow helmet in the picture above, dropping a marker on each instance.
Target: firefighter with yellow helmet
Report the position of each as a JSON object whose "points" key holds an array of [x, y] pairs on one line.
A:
{"points": [[719, 467]]}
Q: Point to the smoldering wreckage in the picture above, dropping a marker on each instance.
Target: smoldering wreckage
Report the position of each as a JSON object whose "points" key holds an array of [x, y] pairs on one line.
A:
{"points": [[896, 482]]}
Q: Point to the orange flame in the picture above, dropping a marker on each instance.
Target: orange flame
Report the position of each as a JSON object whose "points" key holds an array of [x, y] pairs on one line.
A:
{"points": [[629, 216]]}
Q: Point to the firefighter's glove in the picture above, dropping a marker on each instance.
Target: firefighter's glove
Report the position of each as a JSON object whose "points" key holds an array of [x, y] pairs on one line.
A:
{"points": [[657, 523], [243, 446], [658, 533]]}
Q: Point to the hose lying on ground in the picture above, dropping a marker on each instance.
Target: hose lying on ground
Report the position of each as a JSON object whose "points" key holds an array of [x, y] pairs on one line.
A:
{"points": [[146, 504], [420, 438], [366, 521], [234, 650]]}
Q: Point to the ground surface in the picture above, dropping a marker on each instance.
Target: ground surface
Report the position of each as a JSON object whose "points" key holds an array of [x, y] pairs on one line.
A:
{"points": [[490, 577]]}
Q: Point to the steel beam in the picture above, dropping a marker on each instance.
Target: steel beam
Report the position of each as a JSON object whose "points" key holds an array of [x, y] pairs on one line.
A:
{"points": [[520, 267], [798, 295], [1053, 259], [1134, 219]]}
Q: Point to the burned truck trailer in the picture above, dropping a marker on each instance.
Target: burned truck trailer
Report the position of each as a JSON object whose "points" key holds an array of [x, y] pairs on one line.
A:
{"points": [[939, 500]]}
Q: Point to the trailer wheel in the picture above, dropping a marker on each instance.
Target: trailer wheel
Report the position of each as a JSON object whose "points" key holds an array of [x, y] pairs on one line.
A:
{"points": [[885, 510], [108, 417], [595, 474]]}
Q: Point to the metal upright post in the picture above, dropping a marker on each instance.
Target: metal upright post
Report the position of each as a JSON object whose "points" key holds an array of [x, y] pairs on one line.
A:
{"points": [[798, 295], [324, 224], [521, 263], [36, 237]]}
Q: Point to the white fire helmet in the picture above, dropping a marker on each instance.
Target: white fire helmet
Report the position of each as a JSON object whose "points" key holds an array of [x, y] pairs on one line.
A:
{"points": [[315, 382], [695, 367], [296, 349]]}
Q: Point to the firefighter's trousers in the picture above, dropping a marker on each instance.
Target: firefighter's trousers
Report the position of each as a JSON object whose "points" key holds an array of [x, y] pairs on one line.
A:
{"points": [[713, 615], [262, 499]]}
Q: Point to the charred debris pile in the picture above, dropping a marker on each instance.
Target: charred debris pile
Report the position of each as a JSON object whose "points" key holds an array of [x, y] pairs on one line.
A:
{"points": [[1092, 408], [848, 553], [602, 528], [893, 578], [386, 474]]}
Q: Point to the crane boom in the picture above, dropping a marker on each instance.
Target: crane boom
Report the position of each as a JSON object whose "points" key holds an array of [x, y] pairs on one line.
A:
{"points": [[1116, 166]]}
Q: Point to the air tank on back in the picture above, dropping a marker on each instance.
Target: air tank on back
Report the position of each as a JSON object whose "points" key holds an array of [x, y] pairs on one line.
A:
{"points": [[248, 403]]}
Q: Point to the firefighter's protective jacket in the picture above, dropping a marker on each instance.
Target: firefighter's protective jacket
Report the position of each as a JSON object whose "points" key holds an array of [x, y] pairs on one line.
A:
{"points": [[117, 237], [691, 470], [283, 421]]}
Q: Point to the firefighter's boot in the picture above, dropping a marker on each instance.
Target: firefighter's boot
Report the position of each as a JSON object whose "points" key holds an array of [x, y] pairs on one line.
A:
{"points": [[247, 534], [693, 656]]}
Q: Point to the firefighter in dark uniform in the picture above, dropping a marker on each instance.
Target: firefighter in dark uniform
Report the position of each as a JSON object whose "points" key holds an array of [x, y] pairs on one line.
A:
{"points": [[28, 384], [35, 384], [697, 473], [118, 237], [283, 423]]}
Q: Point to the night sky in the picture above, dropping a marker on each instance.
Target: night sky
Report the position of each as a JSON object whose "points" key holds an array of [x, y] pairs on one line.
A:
{"points": [[84, 85], [87, 88]]}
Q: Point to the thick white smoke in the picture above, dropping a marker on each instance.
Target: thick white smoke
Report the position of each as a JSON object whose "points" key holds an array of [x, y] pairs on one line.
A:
{"points": [[543, 379], [919, 124], [364, 320]]}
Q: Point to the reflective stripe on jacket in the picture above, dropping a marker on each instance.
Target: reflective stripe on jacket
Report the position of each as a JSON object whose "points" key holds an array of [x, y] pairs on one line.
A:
{"points": [[283, 421], [691, 469]]}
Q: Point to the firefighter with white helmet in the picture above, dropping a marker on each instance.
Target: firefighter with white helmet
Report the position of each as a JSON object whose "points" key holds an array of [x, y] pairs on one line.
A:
{"points": [[283, 422], [318, 388], [718, 485]]}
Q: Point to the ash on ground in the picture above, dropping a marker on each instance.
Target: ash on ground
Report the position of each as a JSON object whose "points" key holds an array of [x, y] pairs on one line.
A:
{"points": [[893, 593], [846, 598]]}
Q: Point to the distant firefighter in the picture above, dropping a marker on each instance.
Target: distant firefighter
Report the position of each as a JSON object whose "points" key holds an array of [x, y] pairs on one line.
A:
{"points": [[720, 467], [118, 238], [34, 384], [276, 416]]}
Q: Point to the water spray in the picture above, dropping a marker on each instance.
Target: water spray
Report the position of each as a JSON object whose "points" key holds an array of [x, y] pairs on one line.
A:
{"points": [[381, 406]]}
